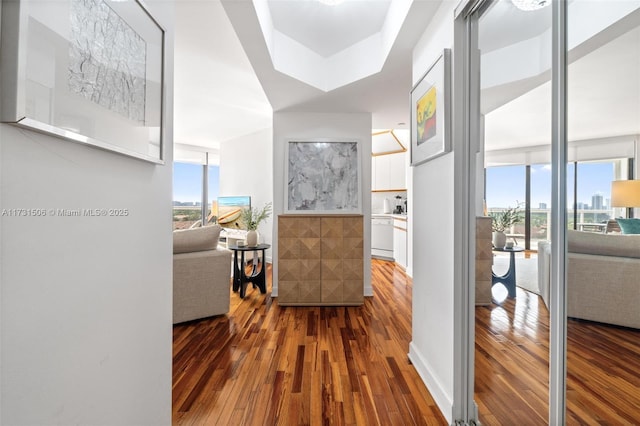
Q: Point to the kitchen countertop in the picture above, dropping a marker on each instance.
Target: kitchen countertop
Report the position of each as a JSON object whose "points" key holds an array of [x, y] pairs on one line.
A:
{"points": [[391, 215]]}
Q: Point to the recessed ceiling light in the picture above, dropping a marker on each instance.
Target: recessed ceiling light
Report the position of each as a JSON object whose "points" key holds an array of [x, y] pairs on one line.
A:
{"points": [[331, 2], [528, 5]]}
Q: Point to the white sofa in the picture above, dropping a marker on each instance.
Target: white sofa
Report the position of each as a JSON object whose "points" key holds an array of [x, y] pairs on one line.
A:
{"points": [[201, 274], [603, 277]]}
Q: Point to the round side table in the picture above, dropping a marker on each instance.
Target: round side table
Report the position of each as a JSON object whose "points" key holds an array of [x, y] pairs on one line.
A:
{"points": [[257, 277]]}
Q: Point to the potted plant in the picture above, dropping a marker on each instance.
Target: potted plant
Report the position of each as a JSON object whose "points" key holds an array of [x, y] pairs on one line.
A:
{"points": [[501, 221], [252, 219]]}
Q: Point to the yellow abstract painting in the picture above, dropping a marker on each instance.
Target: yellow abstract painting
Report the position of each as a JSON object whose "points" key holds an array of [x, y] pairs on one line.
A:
{"points": [[426, 116]]}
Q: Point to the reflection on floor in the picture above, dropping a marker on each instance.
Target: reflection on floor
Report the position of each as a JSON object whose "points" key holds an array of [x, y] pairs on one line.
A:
{"points": [[526, 272], [512, 367]]}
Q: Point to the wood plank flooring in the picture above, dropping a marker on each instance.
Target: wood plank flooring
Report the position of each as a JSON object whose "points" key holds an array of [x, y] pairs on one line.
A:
{"points": [[512, 367], [269, 365], [265, 365]]}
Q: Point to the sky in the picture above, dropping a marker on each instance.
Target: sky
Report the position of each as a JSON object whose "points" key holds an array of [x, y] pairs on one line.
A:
{"points": [[506, 185], [187, 182]]}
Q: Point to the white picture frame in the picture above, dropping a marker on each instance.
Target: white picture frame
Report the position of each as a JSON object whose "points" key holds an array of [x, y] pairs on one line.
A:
{"points": [[88, 71], [323, 176], [431, 112]]}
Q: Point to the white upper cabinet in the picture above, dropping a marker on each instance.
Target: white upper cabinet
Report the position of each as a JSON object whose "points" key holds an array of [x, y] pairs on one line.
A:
{"points": [[389, 172]]}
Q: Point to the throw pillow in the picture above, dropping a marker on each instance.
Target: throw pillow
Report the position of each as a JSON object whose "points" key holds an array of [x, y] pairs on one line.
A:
{"points": [[629, 226]]}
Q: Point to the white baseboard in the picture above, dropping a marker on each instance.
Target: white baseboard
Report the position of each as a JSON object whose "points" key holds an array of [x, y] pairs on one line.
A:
{"points": [[439, 394], [368, 291]]}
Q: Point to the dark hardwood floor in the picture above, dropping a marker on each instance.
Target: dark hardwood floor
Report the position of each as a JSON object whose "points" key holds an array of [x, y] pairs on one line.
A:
{"points": [[264, 364]]}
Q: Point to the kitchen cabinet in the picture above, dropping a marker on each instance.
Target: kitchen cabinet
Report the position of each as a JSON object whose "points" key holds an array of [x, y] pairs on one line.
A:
{"points": [[389, 172], [400, 240], [320, 260]]}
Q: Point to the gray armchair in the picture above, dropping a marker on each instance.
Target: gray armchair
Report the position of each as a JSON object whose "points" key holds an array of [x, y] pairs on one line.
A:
{"points": [[201, 274]]}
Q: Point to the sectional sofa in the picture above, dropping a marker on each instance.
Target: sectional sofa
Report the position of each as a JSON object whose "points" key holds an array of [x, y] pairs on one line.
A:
{"points": [[201, 274], [603, 277]]}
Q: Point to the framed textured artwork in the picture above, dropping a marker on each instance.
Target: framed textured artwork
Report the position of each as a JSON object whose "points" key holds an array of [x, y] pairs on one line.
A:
{"points": [[323, 177], [89, 71], [431, 112]]}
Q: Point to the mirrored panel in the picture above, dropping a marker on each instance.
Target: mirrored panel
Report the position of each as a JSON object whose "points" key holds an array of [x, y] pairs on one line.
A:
{"points": [[512, 318], [603, 193]]}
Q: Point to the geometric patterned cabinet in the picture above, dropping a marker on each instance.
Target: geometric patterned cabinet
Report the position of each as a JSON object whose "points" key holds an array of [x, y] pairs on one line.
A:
{"points": [[320, 260]]}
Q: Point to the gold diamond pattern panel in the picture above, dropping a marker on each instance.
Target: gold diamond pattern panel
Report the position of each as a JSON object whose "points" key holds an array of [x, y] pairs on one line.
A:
{"points": [[352, 269], [309, 227], [288, 228], [352, 248], [289, 269], [289, 290], [352, 227], [320, 260], [332, 248], [310, 291], [331, 227], [310, 269], [289, 248], [310, 248], [352, 291], [332, 269], [332, 291]]}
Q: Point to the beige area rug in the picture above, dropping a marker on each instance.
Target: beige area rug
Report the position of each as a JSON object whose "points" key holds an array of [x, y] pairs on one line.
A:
{"points": [[526, 271]]}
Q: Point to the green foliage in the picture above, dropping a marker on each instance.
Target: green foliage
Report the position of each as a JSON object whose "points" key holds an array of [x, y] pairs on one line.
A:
{"points": [[253, 217], [501, 221], [186, 214]]}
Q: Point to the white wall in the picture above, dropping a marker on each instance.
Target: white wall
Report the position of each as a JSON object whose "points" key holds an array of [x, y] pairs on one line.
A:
{"points": [[431, 218], [289, 126], [246, 169], [86, 302]]}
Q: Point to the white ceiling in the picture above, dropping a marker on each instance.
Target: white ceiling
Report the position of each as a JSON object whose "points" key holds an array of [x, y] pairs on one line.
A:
{"points": [[328, 29], [603, 95], [504, 24], [383, 94], [217, 95], [225, 83]]}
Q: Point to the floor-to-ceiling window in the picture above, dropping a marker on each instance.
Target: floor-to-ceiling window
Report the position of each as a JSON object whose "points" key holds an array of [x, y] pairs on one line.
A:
{"points": [[526, 187], [540, 204], [189, 195], [588, 196], [589, 193]]}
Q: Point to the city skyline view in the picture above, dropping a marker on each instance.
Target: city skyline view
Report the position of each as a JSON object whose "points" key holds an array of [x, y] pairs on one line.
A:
{"points": [[505, 185]]}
